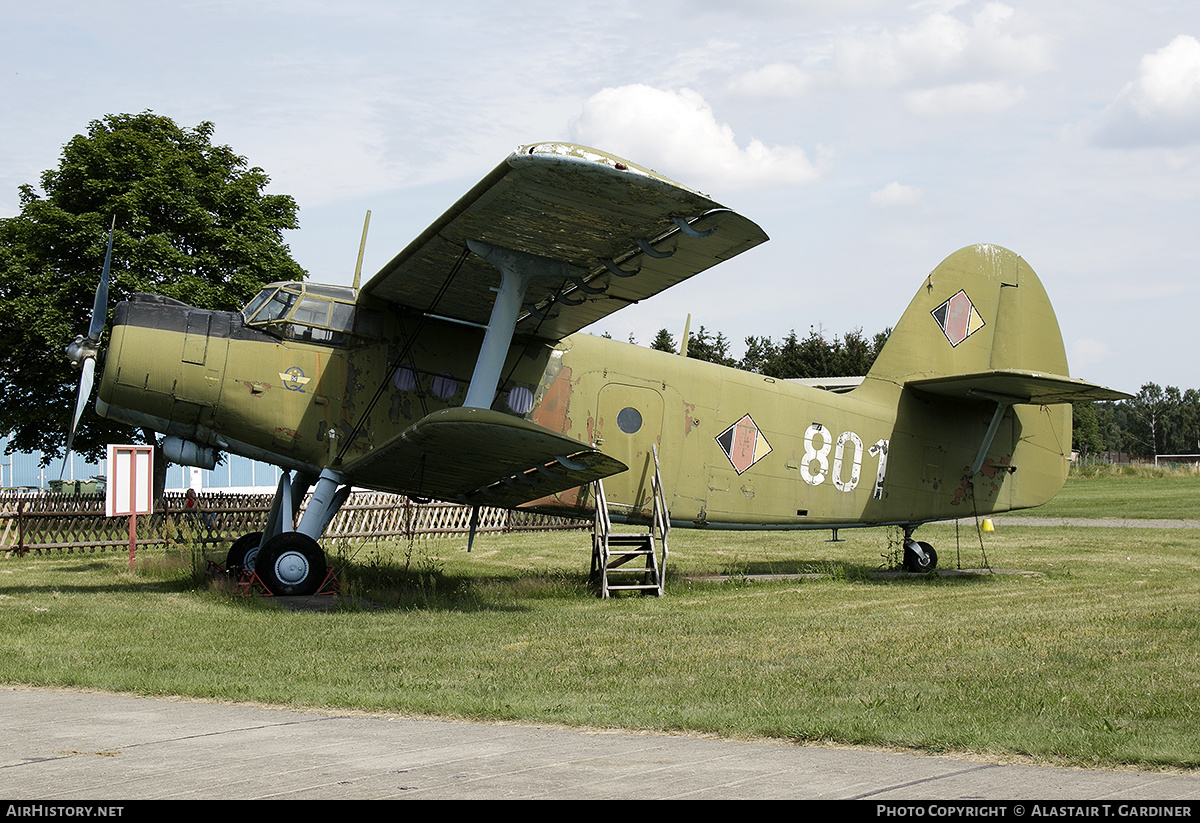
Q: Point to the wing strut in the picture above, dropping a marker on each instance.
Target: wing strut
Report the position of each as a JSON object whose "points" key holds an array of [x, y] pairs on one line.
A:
{"points": [[408, 344], [517, 271]]}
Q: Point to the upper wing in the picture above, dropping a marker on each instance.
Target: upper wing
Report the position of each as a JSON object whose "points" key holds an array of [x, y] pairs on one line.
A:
{"points": [[1016, 386], [624, 232]]}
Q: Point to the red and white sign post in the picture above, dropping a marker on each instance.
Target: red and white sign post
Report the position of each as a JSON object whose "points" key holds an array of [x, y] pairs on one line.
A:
{"points": [[130, 488]]}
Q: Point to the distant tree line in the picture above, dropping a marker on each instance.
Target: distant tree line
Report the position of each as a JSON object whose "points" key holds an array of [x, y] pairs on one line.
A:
{"points": [[847, 355], [1155, 421]]}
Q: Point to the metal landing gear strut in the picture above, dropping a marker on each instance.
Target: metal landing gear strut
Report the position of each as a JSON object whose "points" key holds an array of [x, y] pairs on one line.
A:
{"points": [[919, 557], [291, 562]]}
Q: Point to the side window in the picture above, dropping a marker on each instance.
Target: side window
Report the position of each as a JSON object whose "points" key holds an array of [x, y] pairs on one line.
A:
{"points": [[311, 334], [257, 303], [342, 318], [312, 311]]}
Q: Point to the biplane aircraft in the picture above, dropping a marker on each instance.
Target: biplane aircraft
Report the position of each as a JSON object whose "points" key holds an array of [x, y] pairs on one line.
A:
{"points": [[458, 373]]}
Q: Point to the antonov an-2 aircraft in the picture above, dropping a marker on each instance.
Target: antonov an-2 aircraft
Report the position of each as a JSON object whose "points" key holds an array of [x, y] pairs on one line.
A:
{"points": [[458, 373]]}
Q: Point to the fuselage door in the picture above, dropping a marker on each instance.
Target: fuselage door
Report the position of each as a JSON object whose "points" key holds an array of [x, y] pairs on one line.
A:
{"points": [[628, 424]]}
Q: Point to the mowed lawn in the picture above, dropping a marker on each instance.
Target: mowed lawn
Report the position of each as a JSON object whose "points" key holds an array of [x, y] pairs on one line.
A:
{"points": [[1133, 492], [1080, 646]]}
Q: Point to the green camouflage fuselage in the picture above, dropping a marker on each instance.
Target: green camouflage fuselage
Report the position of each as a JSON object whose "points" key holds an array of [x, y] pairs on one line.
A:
{"points": [[735, 449]]}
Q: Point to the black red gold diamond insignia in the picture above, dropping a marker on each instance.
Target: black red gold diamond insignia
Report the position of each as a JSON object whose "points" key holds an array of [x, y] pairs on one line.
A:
{"points": [[958, 318], [743, 444]]}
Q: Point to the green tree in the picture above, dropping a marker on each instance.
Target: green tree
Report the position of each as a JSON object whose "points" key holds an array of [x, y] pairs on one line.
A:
{"points": [[1189, 423], [710, 349], [1112, 419], [853, 355], [1085, 430], [1148, 421], [760, 352], [812, 356], [663, 341], [192, 223]]}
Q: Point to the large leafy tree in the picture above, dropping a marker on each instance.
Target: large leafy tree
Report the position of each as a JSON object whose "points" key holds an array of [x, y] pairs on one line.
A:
{"points": [[1149, 419], [192, 223]]}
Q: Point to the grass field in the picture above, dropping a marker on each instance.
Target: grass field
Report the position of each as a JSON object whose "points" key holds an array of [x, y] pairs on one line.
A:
{"points": [[1089, 656], [1137, 492]]}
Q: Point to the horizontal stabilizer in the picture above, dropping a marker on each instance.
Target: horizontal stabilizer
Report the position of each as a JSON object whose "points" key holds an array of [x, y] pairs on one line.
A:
{"points": [[1015, 386], [480, 457]]}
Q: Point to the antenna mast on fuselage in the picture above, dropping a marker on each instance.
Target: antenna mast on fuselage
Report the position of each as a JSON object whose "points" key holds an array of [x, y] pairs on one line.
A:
{"points": [[362, 247]]}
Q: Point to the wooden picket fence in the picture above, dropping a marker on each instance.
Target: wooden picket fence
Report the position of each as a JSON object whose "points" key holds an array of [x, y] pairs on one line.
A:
{"points": [[46, 524]]}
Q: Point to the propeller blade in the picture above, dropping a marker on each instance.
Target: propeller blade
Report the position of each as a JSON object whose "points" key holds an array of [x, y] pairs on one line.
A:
{"points": [[100, 304], [85, 392], [83, 352]]}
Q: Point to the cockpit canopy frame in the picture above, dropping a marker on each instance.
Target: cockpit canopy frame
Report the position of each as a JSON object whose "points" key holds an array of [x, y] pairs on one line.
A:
{"points": [[313, 313]]}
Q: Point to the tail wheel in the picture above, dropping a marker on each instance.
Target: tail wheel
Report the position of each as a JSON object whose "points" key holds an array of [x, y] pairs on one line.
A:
{"points": [[914, 562], [242, 552], [291, 564]]}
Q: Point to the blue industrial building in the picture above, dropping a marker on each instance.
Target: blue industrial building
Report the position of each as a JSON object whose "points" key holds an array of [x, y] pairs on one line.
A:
{"points": [[23, 470]]}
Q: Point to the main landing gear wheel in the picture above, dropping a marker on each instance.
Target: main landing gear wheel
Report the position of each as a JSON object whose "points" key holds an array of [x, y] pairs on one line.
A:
{"points": [[242, 552], [291, 564], [914, 562]]}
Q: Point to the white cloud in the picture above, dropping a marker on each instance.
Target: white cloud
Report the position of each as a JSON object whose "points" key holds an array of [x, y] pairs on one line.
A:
{"points": [[965, 64], [963, 98], [1169, 83], [772, 81], [895, 194], [995, 42], [1162, 106], [677, 133]]}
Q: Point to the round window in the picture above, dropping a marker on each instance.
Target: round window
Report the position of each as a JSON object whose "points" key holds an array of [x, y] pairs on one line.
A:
{"points": [[520, 399], [444, 386], [629, 420], [405, 379]]}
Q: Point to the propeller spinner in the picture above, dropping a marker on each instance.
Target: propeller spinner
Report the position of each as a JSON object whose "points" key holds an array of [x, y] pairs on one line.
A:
{"points": [[83, 351]]}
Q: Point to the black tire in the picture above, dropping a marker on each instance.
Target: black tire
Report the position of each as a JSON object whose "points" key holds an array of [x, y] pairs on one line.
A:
{"points": [[913, 562], [237, 560], [291, 565]]}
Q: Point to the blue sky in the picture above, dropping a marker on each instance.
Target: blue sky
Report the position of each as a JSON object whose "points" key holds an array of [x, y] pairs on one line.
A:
{"points": [[870, 139]]}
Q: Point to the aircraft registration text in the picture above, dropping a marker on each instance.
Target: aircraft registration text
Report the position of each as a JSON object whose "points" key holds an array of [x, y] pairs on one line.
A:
{"points": [[820, 456]]}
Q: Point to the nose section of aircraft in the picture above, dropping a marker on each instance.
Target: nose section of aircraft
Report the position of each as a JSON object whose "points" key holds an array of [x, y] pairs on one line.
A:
{"points": [[142, 366], [163, 366]]}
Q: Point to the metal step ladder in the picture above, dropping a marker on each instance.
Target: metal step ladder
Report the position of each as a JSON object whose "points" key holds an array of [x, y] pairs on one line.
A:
{"points": [[617, 559]]}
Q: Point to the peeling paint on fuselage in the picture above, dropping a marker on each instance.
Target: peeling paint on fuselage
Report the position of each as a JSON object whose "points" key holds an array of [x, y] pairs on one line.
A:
{"points": [[552, 401]]}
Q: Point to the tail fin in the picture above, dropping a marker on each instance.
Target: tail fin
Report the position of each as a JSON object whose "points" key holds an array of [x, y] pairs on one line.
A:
{"points": [[982, 325], [981, 373]]}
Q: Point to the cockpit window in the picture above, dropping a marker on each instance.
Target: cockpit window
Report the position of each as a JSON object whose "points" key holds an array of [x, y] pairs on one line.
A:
{"points": [[257, 303], [277, 307], [312, 313]]}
